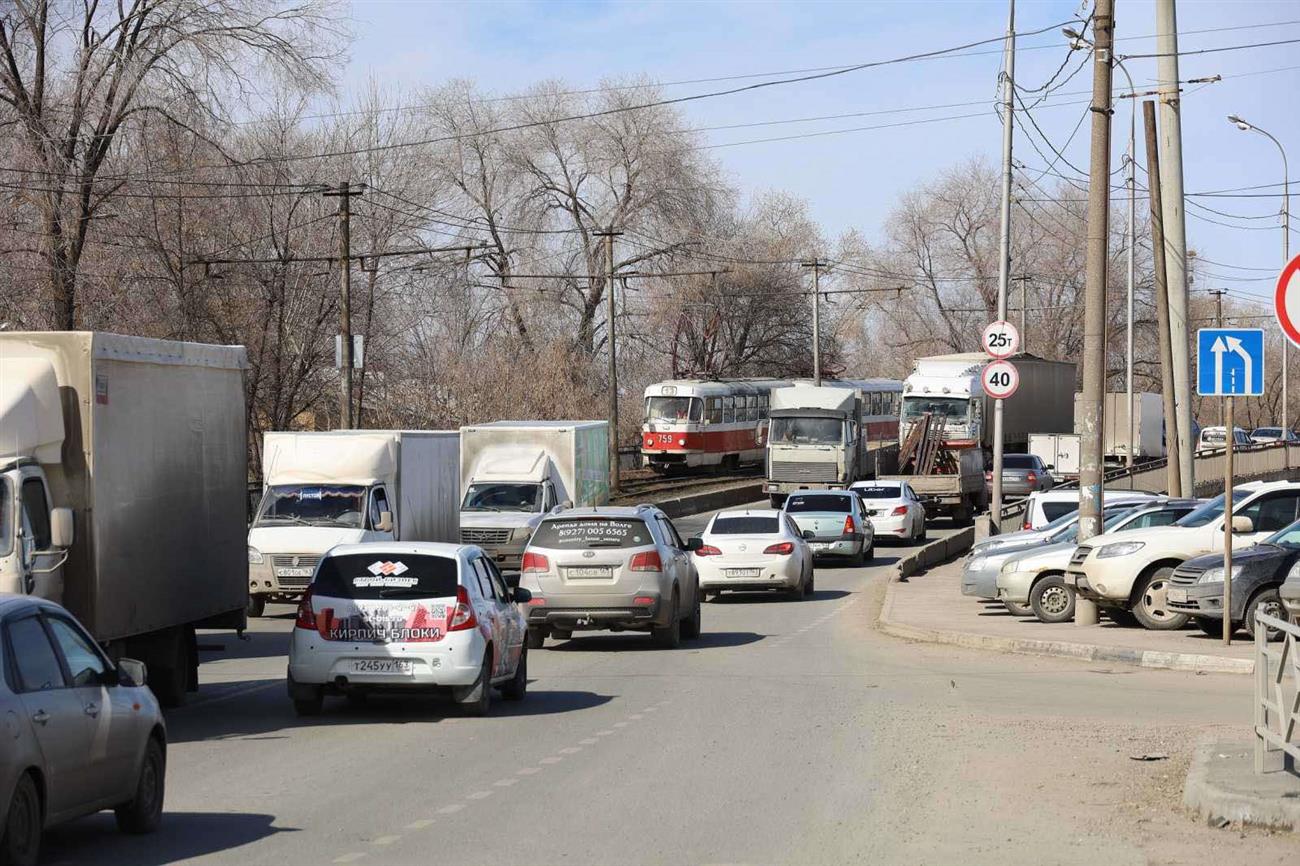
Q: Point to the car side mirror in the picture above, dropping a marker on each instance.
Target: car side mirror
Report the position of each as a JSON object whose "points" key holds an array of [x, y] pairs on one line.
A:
{"points": [[385, 523], [1049, 466], [131, 672], [1242, 525], [61, 528], [519, 595], [809, 535], [511, 579], [694, 544]]}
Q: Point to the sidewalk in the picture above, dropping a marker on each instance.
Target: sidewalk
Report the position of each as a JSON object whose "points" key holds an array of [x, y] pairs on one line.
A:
{"points": [[930, 607]]}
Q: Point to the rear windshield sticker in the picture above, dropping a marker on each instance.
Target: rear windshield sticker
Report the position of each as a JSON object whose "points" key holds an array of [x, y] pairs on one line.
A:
{"points": [[385, 581], [378, 568]]}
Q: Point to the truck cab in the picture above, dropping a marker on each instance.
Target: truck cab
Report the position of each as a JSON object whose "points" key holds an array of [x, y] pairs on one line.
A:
{"points": [[505, 500], [34, 537]]}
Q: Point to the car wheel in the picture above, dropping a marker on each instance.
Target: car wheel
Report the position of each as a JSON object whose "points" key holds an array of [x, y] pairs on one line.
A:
{"points": [[535, 638], [691, 626], [518, 685], [920, 536], [1052, 600], [669, 636], [1212, 627], [143, 812], [21, 842], [476, 700], [1151, 608], [869, 553], [1016, 609], [806, 585], [1268, 602], [1120, 616], [256, 606]]}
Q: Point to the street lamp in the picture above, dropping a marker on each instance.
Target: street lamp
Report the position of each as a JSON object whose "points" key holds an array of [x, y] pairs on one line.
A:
{"points": [[1245, 126]]}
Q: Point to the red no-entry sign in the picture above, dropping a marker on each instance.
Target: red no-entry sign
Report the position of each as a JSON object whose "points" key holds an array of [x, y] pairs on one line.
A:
{"points": [[1286, 300]]}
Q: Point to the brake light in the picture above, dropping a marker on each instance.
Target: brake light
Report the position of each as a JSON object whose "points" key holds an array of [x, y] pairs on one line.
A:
{"points": [[849, 526], [1031, 477], [785, 548], [463, 616], [648, 561], [306, 617], [1026, 525], [535, 563], [708, 550], [644, 600], [899, 511]]}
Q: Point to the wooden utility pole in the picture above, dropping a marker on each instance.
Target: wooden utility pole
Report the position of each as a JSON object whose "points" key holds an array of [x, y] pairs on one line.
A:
{"points": [[344, 194], [609, 236], [1218, 323], [816, 265], [1173, 476]]}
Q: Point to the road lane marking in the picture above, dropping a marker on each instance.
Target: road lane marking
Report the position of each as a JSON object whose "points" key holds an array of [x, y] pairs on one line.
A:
{"points": [[480, 795], [590, 741], [384, 840], [621, 724], [504, 783], [571, 750], [420, 824], [528, 771], [604, 733], [349, 858], [553, 759], [452, 809], [636, 716]]}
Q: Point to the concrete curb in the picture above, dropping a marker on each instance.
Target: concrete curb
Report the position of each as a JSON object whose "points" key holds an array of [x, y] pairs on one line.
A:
{"points": [[696, 503], [1218, 806], [934, 553]]}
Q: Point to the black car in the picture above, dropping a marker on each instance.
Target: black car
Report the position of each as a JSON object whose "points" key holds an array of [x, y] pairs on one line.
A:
{"points": [[1196, 587]]}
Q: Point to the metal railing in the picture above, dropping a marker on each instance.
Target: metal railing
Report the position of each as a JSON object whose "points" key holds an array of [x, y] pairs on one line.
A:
{"points": [[1277, 691]]}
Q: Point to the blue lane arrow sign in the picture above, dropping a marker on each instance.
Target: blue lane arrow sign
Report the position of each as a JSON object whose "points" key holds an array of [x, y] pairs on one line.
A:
{"points": [[1230, 361]]}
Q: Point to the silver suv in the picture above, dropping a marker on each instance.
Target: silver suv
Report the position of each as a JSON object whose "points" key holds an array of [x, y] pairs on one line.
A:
{"points": [[610, 568]]}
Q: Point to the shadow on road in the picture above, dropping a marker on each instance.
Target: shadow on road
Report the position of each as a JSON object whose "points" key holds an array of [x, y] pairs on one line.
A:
{"points": [[183, 835], [637, 641], [254, 645], [776, 597]]}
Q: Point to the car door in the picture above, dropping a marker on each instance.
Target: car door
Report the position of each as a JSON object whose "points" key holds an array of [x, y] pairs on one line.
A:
{"points": [[800, 544], [115, 736], [511, 619], [683, 569], [868, 528], [1268, 513], [55, 712], [489, 612]]}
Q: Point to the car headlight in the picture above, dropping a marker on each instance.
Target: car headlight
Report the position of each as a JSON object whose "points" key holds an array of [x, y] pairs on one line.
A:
{"points": [[1294, 573], [1011, 565], [978, 563], [254, 556], [1215, 575], [1124, 548]]}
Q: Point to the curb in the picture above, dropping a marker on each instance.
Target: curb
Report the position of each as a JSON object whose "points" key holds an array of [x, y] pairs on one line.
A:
{"points": [[684, 506], [1219, 807], [934, 553]]}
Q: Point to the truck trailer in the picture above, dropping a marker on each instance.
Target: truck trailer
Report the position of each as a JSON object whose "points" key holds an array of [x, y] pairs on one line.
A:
{"points": [[1149, 428], [124, 462]]}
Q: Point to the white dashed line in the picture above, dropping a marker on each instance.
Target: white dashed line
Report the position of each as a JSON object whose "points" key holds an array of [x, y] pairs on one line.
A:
{"points": [[553, 759], [452, 809], [590, 741], [504, 783], [528, 771], [481, 795], [384, 840], [635, 716], [571, 750], [420, 824], [349, 858]]}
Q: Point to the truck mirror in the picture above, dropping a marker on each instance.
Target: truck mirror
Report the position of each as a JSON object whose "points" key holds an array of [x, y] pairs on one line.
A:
{"points": [[385, 521], [61, 529]]}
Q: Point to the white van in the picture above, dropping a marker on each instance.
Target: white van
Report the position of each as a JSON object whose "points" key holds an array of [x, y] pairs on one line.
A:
{"points": [[1042, 507]]}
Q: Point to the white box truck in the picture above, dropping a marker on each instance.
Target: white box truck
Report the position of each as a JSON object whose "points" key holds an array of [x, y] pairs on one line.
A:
{"points": [[1149, 429], [344, 487], [1058, 451], [513, 472], [123, 465]]}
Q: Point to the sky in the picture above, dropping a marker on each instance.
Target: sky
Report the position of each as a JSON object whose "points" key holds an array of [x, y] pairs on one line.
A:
{"points": [[853, 179]]}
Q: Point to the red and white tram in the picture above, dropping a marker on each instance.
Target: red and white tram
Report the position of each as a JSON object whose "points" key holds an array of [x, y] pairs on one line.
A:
{"points": [[694, 423]]}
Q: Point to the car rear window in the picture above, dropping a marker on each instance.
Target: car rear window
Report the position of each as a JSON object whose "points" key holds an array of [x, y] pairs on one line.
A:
{"points": [[1018, 461], [592, 532], [878, 492], [817, 502], [745, 526], [373, 576], [1053, 510]]}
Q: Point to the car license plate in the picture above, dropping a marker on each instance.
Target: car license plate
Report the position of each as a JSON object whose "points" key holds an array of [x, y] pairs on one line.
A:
{"points": [[382, 666], [744, 572], [590, 571], [1178, 595], [295, 572], [820, 545]]}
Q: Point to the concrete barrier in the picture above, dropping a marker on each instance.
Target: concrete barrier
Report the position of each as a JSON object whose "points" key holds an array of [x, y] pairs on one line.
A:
{"points": [[697, 503], [936, 552]]}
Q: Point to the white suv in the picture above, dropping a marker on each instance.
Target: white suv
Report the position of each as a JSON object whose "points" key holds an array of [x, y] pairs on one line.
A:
{"points": [[1129, 573]]}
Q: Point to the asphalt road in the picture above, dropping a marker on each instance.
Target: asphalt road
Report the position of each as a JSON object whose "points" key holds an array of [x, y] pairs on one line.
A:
{"points": [[792, 732]]}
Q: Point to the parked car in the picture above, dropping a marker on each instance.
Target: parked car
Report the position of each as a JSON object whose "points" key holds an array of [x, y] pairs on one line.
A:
{"points": [[1022, 474], [1036, 577], [1213, 438], [1042, 508], [1258, 572], [759, 549], [621, 569], [1129, 575], [838, 523], [893, 508], [407, 617], [81, 733], [1272, 434]]}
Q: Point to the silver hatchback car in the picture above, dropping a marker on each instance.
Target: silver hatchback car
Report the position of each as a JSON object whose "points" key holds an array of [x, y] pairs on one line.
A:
{"points": [[619, 569], [82, 733]]}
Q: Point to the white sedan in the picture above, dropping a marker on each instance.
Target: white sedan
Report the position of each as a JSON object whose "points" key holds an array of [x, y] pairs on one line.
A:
{"points": [[754, 550], [893, 507]]}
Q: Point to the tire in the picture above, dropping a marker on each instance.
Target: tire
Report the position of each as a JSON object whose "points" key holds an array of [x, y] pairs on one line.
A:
{"points": [[920, 536], [812, 583], [1052, 600], [20, 842], [256, 606], [518, 685], [1149, 603], [1018, 609], [143, 812], [535, 638], [669, 636], [1120, 616], [476, 700], [806, 586], [1212, 627], [1269, 602], [693, 624], [776, 501], [869, 553]]}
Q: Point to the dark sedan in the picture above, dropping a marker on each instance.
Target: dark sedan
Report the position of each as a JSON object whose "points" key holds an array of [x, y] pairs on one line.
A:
{"points": [[1196, 587]]}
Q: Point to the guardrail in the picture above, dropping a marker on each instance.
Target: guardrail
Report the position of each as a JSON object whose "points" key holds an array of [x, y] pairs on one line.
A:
{"points": [[1277, 691]]}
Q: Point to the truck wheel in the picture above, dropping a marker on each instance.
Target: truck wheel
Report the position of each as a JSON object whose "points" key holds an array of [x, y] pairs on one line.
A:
{"points": [[1150, 606], [536, 638], [1052, 600], [170, 682], [256, 606], [143, 812], [1120, 616]]}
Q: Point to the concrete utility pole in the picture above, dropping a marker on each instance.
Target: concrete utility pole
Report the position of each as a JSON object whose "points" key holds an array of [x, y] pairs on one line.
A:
{"points": [[1173, 476], [1004, 243], [1091, 468], [816, 265], [1175, 230], [344, 194], [1218, 323], [609, 236], [1024, 313], [1130, 160]]}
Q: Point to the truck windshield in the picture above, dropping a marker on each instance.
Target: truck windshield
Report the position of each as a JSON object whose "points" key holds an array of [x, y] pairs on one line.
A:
{"points": [[674, 409], [503, 497], [806, 431], [314, 505], [1211, 510], [952, 408], [6, 518]]}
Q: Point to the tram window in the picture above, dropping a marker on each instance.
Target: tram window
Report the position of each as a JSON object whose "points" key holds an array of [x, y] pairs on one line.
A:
{"points": [[715, 410], [751, 408], [762, 406], [728, 410]]}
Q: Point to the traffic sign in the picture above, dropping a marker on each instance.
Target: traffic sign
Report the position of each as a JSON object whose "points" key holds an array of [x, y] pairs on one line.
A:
{"points": [[1230, 362], [1286, 300], [1000, 379], [1000, 339]]}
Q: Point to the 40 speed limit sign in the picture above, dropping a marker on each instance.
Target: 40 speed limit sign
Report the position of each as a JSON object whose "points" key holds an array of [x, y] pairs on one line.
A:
{"points": [[1000, 379], [1000, 339]]}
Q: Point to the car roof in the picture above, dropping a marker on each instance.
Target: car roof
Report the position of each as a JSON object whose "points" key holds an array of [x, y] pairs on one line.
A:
{"points": [[750, 512], [413, 548], [11, 601], [1073, 493], [823, 493], [642, 511]]}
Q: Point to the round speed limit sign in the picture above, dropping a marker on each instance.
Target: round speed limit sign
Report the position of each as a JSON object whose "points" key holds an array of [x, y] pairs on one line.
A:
{"points": [[1001, 339], [1000, 379]]}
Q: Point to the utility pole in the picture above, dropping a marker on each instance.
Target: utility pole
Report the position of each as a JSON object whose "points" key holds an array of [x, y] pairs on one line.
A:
{"points": [[1175, 230], [1132, 242], [344, 194], [1094, 328], [1024, 313], [816, 265], [1004, 247], [1218, 323], [1173, 476], [610, 335]]}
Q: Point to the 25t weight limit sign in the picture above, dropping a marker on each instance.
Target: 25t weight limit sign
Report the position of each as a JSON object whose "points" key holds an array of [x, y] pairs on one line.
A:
{"points": [[1000, 379]]}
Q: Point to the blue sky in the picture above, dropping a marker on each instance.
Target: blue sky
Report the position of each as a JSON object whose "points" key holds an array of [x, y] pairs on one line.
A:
{"points": [[852, 180]]}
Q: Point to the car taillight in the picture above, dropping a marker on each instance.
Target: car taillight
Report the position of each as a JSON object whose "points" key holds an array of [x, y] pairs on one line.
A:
{"points": [[785, 548], [535, 563], [708, 550], [306, 616], [648, 561], [849, 526], [1026, 525], [463, 616], [899, 511], [1031, 477]]}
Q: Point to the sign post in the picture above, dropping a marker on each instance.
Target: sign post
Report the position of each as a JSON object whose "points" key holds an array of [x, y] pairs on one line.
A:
{"points": [[1000, 340], [1229, 363]]}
